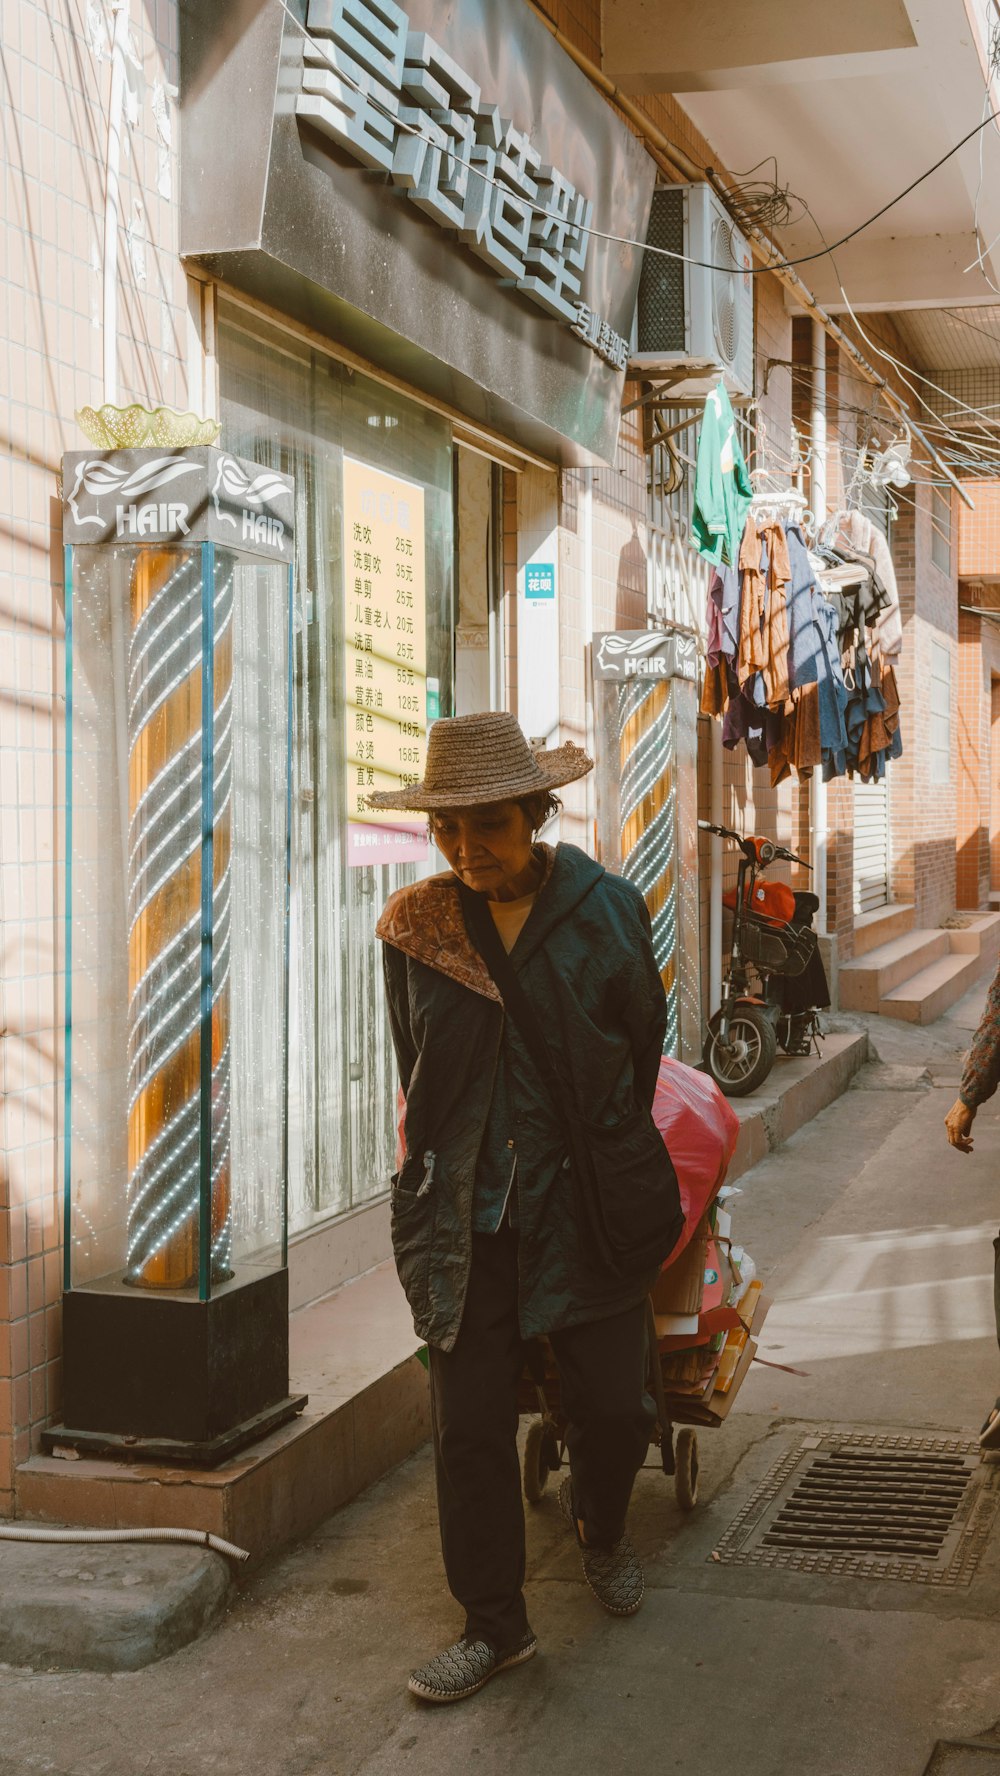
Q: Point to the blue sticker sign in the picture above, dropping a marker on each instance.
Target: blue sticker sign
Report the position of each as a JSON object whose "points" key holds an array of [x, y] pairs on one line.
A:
{"points": [[540, 580]]}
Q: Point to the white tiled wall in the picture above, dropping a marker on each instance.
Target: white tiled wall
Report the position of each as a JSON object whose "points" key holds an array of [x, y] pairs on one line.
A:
{"points": [[55, 85]]}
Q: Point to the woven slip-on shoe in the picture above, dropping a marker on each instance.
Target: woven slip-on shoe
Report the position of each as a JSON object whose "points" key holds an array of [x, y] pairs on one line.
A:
{"points": [[464, 1668], [989, 1436], [613, 1574]]}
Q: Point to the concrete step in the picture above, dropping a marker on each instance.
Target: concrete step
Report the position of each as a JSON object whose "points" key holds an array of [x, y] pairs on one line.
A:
{"points": [[981, 937], [926, 995], [796, 1089], [864, 982], [354, 1353], [880, 927]]}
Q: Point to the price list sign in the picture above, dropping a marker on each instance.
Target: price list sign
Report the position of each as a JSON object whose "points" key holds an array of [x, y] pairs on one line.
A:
{"points": [[385, 633]]}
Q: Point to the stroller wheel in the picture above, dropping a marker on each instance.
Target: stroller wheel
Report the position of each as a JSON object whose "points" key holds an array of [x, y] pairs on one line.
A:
{"points": [[686, 1476], [536, 1468]]}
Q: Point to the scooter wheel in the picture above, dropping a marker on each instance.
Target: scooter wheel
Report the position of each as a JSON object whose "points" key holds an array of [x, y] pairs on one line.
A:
{"points": [[744, 1064]]}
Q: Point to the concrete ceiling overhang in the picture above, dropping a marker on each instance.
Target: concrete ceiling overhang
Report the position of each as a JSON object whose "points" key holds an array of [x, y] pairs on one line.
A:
{"points": [[853, 101], [697, 45]]}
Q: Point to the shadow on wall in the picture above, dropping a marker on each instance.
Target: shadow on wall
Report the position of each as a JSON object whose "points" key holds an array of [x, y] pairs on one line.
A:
{"points": [[972, 870], [630, 598], [924, 874]]}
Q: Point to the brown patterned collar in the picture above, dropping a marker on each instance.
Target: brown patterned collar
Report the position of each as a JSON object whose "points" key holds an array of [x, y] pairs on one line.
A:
{"points": [[425, 921]]}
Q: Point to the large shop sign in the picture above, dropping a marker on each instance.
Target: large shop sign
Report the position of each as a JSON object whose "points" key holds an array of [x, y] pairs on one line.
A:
{"points": [[326, 162], [402, 105]]}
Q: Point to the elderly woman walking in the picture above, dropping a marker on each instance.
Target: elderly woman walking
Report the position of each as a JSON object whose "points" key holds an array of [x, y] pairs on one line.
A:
{"points": [[535, 1195]]}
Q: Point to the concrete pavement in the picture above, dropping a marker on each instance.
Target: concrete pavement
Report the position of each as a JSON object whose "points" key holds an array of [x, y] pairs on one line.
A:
{"points": [[876, 1243]]}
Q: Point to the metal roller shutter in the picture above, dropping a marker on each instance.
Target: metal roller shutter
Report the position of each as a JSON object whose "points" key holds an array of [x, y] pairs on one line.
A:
{"points": [[871, 846]]}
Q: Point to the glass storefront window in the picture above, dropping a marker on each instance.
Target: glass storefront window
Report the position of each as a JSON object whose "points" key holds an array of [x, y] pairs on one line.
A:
{"points": [[290, 407]]}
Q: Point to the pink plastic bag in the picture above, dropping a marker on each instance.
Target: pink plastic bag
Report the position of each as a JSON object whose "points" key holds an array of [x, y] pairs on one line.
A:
{"points": [[700, 1130]]}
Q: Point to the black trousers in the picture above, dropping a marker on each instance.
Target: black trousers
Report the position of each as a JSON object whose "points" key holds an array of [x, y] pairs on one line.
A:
{"points": [[602, 1372]]}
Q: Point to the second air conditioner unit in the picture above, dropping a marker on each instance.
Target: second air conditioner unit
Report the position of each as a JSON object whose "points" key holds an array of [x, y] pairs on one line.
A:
{"points": [[695, 310]]}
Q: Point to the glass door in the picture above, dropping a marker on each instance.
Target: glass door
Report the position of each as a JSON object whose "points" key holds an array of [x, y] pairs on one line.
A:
{"points": [[286, 405]]}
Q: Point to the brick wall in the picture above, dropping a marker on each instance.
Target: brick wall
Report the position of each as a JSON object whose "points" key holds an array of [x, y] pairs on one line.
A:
{"points": [[978, 753], [924, 813], [979, 532], [972, 860]]}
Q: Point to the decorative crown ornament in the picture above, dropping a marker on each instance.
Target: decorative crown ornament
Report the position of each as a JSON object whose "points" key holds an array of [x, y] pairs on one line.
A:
{"points": [[133, 427]]}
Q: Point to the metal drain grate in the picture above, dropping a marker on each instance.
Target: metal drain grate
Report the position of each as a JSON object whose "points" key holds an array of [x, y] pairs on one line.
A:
{"points": [[872, 1501], [870, 1506]]}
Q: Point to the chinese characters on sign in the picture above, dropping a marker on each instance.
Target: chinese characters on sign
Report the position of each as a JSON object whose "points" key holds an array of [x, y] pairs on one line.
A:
{"points": [[385, 651], [601, 337], [540, 580], [399, 103]]}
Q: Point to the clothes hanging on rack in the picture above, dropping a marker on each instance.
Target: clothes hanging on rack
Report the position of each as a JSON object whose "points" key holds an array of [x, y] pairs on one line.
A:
{"points": [[801, 640], [795, 665], [722, 489], [763, 628], [867, 537], [723, 613]]}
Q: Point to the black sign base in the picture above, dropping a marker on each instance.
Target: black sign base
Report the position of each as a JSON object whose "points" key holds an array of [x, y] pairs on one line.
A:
{"points": [[168, 1377], [165, 1450]]}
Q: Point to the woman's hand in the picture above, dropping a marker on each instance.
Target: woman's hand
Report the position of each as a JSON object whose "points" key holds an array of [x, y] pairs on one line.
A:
{"points": [[958, 1123]]}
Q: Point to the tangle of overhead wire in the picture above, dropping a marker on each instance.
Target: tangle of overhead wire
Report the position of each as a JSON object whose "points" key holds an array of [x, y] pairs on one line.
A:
{"points": [[763, 203], [905, 372], [959, 441]]}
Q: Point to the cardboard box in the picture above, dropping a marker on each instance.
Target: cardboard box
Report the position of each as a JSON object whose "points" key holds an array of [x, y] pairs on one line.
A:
{"points": [[679, 1289], [717, 1407]]}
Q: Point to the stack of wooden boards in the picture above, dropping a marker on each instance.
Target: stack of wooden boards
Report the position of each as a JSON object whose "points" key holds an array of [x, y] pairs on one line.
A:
{"points": [[708, 1320]]}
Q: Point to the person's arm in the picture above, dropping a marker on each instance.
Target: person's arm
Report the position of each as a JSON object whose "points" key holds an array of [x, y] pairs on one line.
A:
{"points": [[981, 1076], [645, 1010], [398, 1008]]}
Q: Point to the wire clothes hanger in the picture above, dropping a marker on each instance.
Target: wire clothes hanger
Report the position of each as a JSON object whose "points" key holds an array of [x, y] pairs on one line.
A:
{"points": [[774, 498]]}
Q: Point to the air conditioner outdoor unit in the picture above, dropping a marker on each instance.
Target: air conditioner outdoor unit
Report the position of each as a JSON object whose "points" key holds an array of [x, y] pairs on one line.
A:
{"points": [[688, 316]]}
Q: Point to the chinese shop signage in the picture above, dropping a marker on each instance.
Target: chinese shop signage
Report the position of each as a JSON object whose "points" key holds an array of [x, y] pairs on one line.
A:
{"points": [[417, 183], [401, 105], [385, 632]]}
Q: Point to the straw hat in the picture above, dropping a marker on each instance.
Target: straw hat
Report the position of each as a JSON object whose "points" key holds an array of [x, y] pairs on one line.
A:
{"points": [[473, 760]]}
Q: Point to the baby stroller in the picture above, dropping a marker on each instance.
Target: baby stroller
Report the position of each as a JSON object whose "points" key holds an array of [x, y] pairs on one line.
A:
{"points": [[704, 1315]]}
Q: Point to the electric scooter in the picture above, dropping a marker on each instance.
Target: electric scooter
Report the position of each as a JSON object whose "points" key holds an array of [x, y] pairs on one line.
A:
{"points": [[772, 945]]}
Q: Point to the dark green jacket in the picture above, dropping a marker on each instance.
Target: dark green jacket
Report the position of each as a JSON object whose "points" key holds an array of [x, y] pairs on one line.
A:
{"points": [[585, 960]]}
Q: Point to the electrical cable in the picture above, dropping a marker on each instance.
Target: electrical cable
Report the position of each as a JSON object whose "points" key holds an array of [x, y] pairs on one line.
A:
{"points": [[905, 371], [622, 240], [197, 1537], [953, 436]]}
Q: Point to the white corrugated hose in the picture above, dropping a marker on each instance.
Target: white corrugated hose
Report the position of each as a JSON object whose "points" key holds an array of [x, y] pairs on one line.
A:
{"points": [[198, 1537]]}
